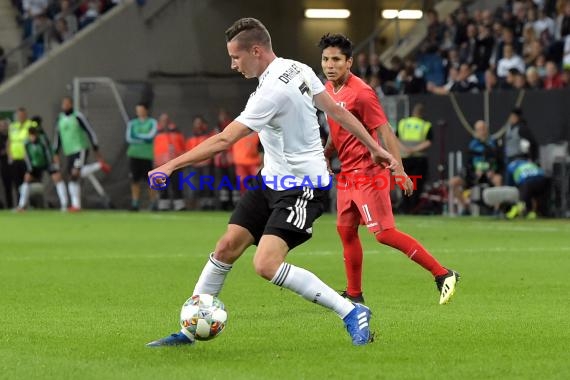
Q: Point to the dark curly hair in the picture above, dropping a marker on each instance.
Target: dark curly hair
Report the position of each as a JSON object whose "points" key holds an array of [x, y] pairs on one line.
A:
{"points": [[337, 40]]}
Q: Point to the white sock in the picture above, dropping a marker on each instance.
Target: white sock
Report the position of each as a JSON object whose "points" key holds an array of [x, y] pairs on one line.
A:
{"points": [[62, 194], [212, 278], [24, 195], [311, 288], [90, 169], [75, 194]]}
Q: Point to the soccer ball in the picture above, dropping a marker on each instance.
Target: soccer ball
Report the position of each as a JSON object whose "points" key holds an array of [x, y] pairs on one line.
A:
{"points": [[204, 316]]}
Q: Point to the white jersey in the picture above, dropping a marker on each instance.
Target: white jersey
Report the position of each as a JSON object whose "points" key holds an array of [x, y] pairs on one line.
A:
{"points": [[281, 110]]}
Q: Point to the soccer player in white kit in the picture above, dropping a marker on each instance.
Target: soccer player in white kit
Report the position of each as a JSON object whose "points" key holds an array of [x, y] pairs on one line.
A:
{"points": [[278, 213]]}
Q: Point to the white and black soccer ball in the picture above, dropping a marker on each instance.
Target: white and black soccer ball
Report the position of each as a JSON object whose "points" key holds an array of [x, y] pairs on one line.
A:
{"points": [[204, 316]]}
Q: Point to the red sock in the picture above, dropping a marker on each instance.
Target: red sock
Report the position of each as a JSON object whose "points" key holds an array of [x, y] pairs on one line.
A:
{"points": [[352, 251], [411, 248]]}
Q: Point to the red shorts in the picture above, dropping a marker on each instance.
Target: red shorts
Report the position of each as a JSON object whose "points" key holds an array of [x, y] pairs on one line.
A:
{"points": [[363, 197]]}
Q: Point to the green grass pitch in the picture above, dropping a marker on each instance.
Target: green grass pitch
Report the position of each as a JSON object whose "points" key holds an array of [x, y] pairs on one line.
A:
{"points": [[81, 294]]}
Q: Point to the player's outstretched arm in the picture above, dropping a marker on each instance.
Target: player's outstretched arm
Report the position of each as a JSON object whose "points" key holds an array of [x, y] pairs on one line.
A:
{"points": [[205, 150], [347, 120]]}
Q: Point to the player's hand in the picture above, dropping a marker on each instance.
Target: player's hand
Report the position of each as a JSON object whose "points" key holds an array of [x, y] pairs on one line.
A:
{"points": [[158, 178], [385, 159], [329, 167], [407, 185], [394, 165]]}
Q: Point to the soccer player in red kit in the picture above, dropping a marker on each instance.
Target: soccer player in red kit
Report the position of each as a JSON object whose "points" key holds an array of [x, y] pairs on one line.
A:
{"points": [[363, 187]]}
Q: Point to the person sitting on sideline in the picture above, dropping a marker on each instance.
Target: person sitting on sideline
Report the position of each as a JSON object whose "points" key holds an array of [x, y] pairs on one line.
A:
{"points": [[39, 159]]}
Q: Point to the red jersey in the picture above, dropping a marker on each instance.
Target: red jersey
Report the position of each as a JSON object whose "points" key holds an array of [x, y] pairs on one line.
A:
{"points": [[359, 99]]}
